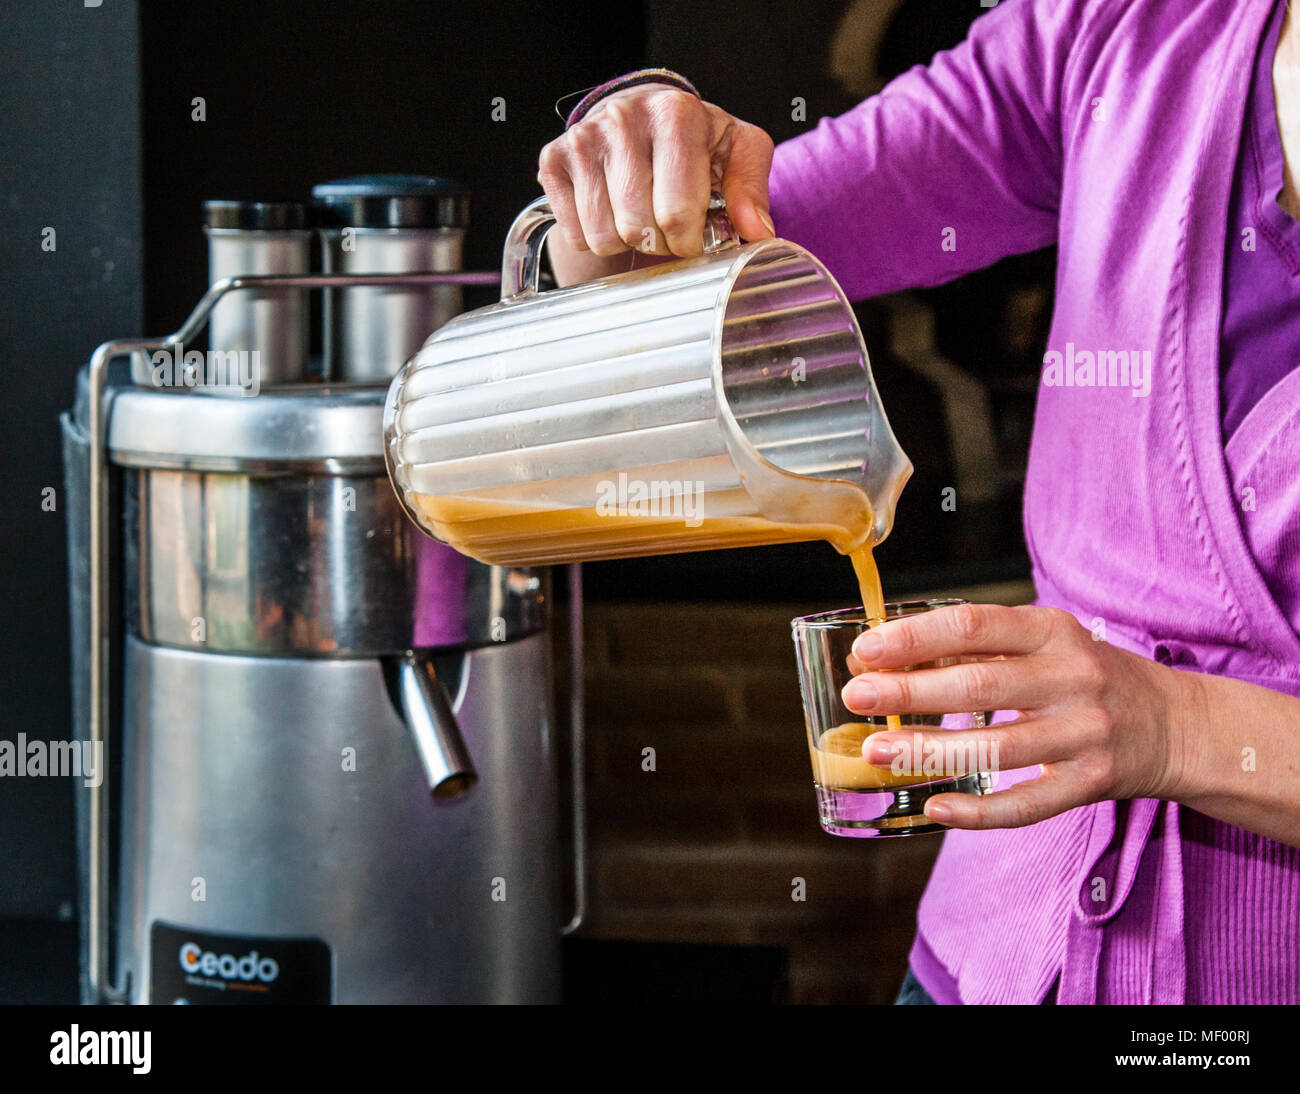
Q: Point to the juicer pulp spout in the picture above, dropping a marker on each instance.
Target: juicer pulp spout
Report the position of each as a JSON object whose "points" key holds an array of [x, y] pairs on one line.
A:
{"points": [[428, 715]]}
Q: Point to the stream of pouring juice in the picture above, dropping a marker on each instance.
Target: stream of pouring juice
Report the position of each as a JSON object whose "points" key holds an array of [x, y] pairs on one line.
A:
{"points": [[873, 605]]}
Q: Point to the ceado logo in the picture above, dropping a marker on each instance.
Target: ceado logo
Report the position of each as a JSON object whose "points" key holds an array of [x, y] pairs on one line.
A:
{"points": [[226, 966]]}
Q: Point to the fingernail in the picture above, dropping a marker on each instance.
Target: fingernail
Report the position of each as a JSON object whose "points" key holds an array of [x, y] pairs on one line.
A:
{"points": [[938, 811], [880, 751], [868, 646], [767, 221], [860, 693]]}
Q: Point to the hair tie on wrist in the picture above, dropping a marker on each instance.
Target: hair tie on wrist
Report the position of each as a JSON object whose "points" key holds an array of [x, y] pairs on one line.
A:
{"points": [[620, 83]]}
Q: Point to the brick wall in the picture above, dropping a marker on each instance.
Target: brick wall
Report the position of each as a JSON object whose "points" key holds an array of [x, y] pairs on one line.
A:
{"points": [[706, 847]]}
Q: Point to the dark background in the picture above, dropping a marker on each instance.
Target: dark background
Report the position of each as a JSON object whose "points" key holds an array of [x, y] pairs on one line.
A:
{"points": [[99, 143], [69, 159]]}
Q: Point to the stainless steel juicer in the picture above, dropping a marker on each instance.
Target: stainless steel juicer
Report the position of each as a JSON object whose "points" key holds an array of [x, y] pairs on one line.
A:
{"points": [[331, 740]]}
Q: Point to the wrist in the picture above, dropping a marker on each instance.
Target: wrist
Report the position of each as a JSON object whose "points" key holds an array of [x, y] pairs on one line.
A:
{"points": [[641, 77], [619, 95], [1186, 734]]}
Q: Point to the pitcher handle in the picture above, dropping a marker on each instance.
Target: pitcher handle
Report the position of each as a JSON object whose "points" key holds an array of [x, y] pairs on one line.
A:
{"points": [[521, 259]]}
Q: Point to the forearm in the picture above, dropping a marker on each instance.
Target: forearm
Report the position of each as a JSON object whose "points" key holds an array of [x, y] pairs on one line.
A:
{"points": [[1237, 754], [950, 168]]}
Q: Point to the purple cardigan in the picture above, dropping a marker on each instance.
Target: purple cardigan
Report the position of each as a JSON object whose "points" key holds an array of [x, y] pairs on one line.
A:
{"points": [[1110, 127]]}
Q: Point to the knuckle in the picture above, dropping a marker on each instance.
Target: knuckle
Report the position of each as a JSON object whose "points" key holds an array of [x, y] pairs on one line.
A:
{"points": [[999, 748], [676, 220], [969, 622], [606, 243], [584, 140], [902, 689], [551, 166], [760, 137], [551, 155], [1090, 670], [673, 100], [1021, 813], [1054, 622], [1100, 724], [618, 116], [979, 685], [676, 109], [1098, 772], [904, 642], [635, 236]]}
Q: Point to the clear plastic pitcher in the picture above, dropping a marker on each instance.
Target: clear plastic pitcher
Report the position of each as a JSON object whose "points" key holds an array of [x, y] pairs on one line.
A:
{"points": [[719, 401]]}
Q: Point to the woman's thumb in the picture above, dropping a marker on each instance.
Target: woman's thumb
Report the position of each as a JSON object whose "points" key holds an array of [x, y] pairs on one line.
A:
{"points": [[744, 183]]}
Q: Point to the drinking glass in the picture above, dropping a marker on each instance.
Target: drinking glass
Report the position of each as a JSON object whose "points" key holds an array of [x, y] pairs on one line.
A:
{"points": [[854, 797]]}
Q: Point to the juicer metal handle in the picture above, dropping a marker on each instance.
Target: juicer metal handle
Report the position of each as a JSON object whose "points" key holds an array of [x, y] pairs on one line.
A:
{"points": [[577, 750], [521, 259], [99, 989]]}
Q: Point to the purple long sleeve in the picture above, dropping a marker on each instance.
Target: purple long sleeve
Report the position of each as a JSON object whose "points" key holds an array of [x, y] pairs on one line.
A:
{"points": [[950, 168]]}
